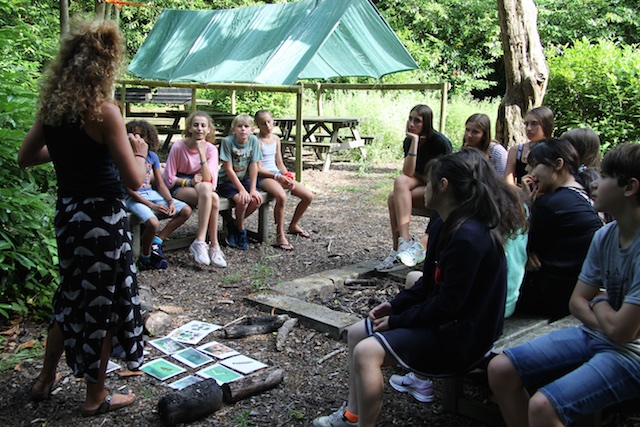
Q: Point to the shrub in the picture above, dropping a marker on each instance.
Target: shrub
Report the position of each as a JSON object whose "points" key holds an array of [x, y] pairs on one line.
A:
{"points": [[27, 243], [597, 85]]}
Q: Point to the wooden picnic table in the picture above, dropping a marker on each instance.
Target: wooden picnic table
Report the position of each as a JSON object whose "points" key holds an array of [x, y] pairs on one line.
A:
{"points": [[222, 122], [325, 135]]}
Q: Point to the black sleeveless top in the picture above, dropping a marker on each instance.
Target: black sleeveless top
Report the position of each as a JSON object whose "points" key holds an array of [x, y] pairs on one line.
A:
{"points": [[83, 166], [521, 167]]}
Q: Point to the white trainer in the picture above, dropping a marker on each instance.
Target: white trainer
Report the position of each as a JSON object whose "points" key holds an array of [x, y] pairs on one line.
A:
{"points": [[412, 256], [336, 419], [200, 252], [217, 257], [421, 390]]}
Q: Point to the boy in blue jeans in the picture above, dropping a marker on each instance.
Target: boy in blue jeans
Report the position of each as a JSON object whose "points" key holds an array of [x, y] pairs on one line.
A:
{"points": [[238, 177], [584, 369], [147, 203]]}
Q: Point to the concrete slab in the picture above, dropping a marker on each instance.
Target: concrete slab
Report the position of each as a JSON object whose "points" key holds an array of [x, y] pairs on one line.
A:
{"points": [[324, 282], [311, 315]]}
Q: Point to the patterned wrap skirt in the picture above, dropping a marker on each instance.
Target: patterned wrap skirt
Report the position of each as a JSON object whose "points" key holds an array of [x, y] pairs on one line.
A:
{"points": [[98, 290]]}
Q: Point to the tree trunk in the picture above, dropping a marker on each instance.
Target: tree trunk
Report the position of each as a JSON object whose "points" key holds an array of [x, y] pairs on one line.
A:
{"points": [[64, 17], [525, 68]]}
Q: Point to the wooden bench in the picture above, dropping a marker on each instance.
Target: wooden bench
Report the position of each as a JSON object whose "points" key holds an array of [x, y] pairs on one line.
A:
{"points": [[261, 234], [517, 330], [146, 95]]}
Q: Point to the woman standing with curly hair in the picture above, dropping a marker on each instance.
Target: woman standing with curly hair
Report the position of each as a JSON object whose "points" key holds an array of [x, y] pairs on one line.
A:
{"points": [[81, 130]]}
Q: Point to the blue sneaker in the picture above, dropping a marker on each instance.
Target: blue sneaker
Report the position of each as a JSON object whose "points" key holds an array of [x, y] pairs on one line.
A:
{"points": [[157, 249], [154, 262], [241, 240]]}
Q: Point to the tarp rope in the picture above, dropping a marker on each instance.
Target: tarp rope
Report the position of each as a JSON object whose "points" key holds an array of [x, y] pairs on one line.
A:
{"points": [[118, 3]]}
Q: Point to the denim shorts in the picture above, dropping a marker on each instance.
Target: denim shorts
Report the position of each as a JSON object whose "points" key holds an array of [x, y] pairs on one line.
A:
{"points": [[581, 372], [143, 211]]}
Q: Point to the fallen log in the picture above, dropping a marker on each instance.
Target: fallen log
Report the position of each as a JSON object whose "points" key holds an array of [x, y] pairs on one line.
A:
{"points": [[256, 325], [191, 403], [251, 385]]}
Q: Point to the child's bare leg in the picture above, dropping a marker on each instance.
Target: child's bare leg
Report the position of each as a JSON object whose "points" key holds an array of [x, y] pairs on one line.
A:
{"points": [[512, 397], [52, 354], [241, 210], [251, 208], [150, 229], [213, 220], [175, 222], [273, 188], [96, 393], [406, 191], [392, 220], [355, 335], [205, 204], [306, 197], [368, 359], [201, 196]]}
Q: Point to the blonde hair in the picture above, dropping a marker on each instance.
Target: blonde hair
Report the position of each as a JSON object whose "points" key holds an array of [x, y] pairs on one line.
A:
{"points": [[189, 121], [242, 119], [81, 77]]}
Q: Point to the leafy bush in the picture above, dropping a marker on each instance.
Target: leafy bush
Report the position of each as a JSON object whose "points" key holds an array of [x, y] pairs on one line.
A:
{"points": [[597, 85], [27, 243]]}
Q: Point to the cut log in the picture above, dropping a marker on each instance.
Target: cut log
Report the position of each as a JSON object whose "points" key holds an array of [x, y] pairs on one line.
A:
{"points": [[191, 403], [251, 385]]}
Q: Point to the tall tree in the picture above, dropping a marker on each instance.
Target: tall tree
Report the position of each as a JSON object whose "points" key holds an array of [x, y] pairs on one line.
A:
{"points": [[526, 70]]}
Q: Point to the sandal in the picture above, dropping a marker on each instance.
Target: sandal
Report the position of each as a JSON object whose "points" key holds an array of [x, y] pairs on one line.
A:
{"points": [[106, 405], [301, 233], [39, 396]]}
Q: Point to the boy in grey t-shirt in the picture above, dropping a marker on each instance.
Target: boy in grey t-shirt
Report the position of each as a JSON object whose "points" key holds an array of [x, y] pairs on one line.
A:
{"points": [[587, 368], [237, 180]]}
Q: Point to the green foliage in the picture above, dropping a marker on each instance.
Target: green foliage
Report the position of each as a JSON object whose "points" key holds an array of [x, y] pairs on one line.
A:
{"points": [[617, 20], [597, 85], [452, 40], [27, 243]]}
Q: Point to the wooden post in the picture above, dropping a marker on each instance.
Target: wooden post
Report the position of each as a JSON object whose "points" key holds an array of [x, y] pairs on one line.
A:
{"points": [[443, 105], [233, 101], [319, 97], [299, 101]]}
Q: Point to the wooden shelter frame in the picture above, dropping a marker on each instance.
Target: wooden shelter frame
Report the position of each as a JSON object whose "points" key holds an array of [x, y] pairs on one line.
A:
{"points": [[298, 90]]}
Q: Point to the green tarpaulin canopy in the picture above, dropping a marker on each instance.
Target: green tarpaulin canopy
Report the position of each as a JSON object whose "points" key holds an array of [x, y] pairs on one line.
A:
{"points": [[271, 44]]}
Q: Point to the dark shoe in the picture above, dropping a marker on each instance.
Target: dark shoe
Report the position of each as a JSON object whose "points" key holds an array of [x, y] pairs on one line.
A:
{"points": [[232, 236], [155, 262], [157, 249], [241, 240]]}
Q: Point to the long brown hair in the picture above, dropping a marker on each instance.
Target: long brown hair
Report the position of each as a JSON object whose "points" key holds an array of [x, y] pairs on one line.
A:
{"points": [[81, 77]]}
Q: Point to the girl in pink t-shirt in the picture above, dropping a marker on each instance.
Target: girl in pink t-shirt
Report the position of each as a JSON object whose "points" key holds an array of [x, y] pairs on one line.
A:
{"points": [[192, 175]]}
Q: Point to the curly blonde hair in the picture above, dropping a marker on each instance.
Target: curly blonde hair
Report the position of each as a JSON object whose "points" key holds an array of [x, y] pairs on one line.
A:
{"points": [[81, 77]]}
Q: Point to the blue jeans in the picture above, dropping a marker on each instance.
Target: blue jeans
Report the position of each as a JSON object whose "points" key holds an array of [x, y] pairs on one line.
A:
{"points": [[582, 372]]}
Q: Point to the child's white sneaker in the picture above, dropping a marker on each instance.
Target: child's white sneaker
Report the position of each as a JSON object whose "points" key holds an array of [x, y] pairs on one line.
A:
{"points": [[421, 390], [199, 249], [217, 257]]}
